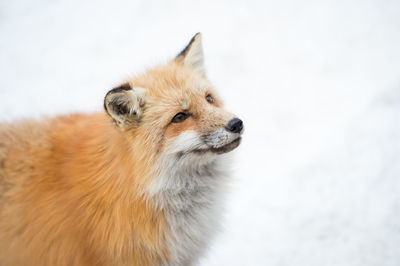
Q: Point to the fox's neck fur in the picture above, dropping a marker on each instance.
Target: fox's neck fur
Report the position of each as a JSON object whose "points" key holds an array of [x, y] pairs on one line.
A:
{"points": [[109, 190], [189, 191], [103, 172]]}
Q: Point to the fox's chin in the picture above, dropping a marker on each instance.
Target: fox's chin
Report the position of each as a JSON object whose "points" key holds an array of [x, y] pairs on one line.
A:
{"points": [[221, 150]]}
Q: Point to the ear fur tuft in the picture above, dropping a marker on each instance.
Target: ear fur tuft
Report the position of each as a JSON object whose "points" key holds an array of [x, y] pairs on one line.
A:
{"points": [[124, 104]]}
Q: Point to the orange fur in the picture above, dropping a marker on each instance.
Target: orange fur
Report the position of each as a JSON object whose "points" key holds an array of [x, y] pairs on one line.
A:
{"points": [[69, 200]]}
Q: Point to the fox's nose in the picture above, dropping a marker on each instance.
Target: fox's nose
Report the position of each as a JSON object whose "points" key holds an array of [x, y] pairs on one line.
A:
{"points": [[235, 125]]}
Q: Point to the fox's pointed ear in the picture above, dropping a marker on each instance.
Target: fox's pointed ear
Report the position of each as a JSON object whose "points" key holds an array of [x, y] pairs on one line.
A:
{"points": [[124, 104], [192, 55]]}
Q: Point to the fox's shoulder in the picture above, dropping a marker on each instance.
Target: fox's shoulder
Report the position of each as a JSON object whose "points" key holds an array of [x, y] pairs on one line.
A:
{"points": [[37, 147], [30, 140], [30, 132]]}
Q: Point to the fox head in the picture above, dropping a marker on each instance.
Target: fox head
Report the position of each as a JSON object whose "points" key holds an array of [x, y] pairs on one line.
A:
{"points": [[173, 109]]}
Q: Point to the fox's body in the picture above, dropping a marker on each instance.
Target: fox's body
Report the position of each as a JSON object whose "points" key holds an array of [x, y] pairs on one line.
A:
{"points": [[123, 187]]}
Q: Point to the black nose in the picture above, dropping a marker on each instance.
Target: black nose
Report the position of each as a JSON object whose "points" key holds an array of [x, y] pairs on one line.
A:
{"points": [[235, 125]]}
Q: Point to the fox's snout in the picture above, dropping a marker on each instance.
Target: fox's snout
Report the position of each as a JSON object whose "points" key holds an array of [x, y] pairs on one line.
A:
{"points": [[225, 139]]}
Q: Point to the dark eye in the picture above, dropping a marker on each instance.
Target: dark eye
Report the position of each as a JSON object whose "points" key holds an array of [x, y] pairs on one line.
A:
{"points": [[179, 117], [209, 98]]}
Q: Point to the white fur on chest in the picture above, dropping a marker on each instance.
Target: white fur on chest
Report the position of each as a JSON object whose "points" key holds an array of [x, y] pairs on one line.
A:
{"points": [[190, 191]]}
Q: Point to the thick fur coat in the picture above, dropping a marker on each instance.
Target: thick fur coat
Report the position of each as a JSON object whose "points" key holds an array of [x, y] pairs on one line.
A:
{"points": [[138, 184]]}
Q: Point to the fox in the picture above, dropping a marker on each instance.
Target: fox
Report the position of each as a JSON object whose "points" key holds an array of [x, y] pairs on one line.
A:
{"points": [[140, 183]]}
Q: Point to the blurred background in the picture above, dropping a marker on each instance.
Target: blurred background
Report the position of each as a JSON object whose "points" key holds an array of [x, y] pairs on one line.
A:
{"points": [[317, 83]]}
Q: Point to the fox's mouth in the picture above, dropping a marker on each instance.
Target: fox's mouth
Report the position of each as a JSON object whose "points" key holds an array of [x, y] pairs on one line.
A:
{"points": [[224, 149]]}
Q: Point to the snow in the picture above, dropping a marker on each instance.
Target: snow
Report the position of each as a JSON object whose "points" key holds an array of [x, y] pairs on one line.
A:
{"points": [[317, 83]]}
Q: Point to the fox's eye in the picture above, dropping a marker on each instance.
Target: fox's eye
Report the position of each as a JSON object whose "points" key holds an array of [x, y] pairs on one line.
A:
{"points": [[179, 117], [209, 98]]}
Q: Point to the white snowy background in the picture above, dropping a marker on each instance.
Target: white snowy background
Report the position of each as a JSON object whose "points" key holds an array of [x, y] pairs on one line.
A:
{"points": [[317, 83]]}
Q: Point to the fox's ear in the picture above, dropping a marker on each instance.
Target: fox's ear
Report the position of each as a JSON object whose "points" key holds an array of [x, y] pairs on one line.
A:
{"points": [[125, 105], [192, 55]]}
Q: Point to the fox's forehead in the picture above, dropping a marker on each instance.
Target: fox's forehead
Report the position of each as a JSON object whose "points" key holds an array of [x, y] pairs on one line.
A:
{"points": [[173, 85]]}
